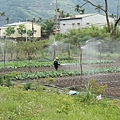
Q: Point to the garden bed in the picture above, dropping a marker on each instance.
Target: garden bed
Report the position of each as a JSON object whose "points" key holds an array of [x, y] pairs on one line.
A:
{"points": [[112, 80]]}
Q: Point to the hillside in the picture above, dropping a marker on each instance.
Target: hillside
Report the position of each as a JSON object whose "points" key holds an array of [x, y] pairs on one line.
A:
{"points": [[19, 10]]}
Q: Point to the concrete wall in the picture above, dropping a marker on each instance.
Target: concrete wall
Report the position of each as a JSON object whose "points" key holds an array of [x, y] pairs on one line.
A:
{"points": [[2, 31], [98, 20], [70, 24]]}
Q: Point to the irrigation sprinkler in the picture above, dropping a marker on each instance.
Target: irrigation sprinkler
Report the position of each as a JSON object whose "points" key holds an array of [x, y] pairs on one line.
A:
{"points": [[69, 55], [81, 63], [100, 51], [4, 51], [54, 49], [54, 53], [69, 52]]}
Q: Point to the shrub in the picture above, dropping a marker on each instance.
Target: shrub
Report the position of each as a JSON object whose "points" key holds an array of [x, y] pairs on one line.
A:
{"points": [[88, 96], [97, 88], [49, 80], [66, 104], [28, 86], [8, 82], [1, 80]]}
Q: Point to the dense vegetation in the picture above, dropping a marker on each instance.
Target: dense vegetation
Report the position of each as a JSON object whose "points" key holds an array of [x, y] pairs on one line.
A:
{"points": [[80, 36], [19, 104], [37, 54], [20, 10]]}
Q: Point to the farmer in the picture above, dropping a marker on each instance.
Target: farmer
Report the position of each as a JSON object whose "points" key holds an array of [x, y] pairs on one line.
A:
{"points": [[56, 64]]}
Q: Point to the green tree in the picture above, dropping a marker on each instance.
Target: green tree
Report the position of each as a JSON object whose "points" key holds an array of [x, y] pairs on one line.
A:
{"points": [[80, 36], [39, 21], [21, 29], [79, 10], [115, 26], [30, 33], [105, 10], [2, 14], [29, 48], [9, 31], [7, 20], [33, 21], [47, 28], [10, 47], [98, 8], [62, 13]]}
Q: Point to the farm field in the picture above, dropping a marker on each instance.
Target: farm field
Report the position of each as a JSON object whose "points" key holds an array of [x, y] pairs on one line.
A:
{"points": [[85, 86], [97, 60], [104, 73]]}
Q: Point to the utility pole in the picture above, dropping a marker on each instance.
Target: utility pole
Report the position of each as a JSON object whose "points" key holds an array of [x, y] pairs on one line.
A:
{"points": [[56, 17], [26, 29]]}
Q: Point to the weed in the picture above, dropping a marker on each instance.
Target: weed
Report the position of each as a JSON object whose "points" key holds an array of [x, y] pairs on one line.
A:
{"points": [[92, 89], [28, 86], [66, 105], [89, 96], [49, 80], [97, 88], [1, 80], [8, 82]]}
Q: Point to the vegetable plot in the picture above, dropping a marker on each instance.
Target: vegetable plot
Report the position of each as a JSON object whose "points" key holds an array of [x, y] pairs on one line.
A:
{"points": [[35, 64], [54, 74]]}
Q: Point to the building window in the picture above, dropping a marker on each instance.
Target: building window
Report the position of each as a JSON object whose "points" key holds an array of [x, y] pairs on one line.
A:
{"points": [[35, 31], [88, 23], [73, 24], [78, 24]]}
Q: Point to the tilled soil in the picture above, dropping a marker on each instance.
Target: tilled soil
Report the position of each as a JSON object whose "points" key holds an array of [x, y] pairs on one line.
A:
{"points": [[112, 80]]}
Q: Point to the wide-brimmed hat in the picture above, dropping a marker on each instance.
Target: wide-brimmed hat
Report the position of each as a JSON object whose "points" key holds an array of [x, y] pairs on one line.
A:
{"points": [[57, 58]]}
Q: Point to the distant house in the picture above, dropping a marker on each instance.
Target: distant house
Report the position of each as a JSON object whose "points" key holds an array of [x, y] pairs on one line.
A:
{"points": [[82, 21], [2, 31], [28, 26]]}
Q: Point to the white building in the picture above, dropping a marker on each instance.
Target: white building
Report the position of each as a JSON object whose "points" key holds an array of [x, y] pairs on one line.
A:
{"points": [[82, 21]]}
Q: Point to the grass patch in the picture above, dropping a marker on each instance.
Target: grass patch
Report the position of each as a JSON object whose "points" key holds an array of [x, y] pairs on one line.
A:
{"points": [[19, 104]]}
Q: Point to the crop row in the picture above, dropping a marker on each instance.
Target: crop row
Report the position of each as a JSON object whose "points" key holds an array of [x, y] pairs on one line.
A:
{"points": [[35, 64], [53, 74]]}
